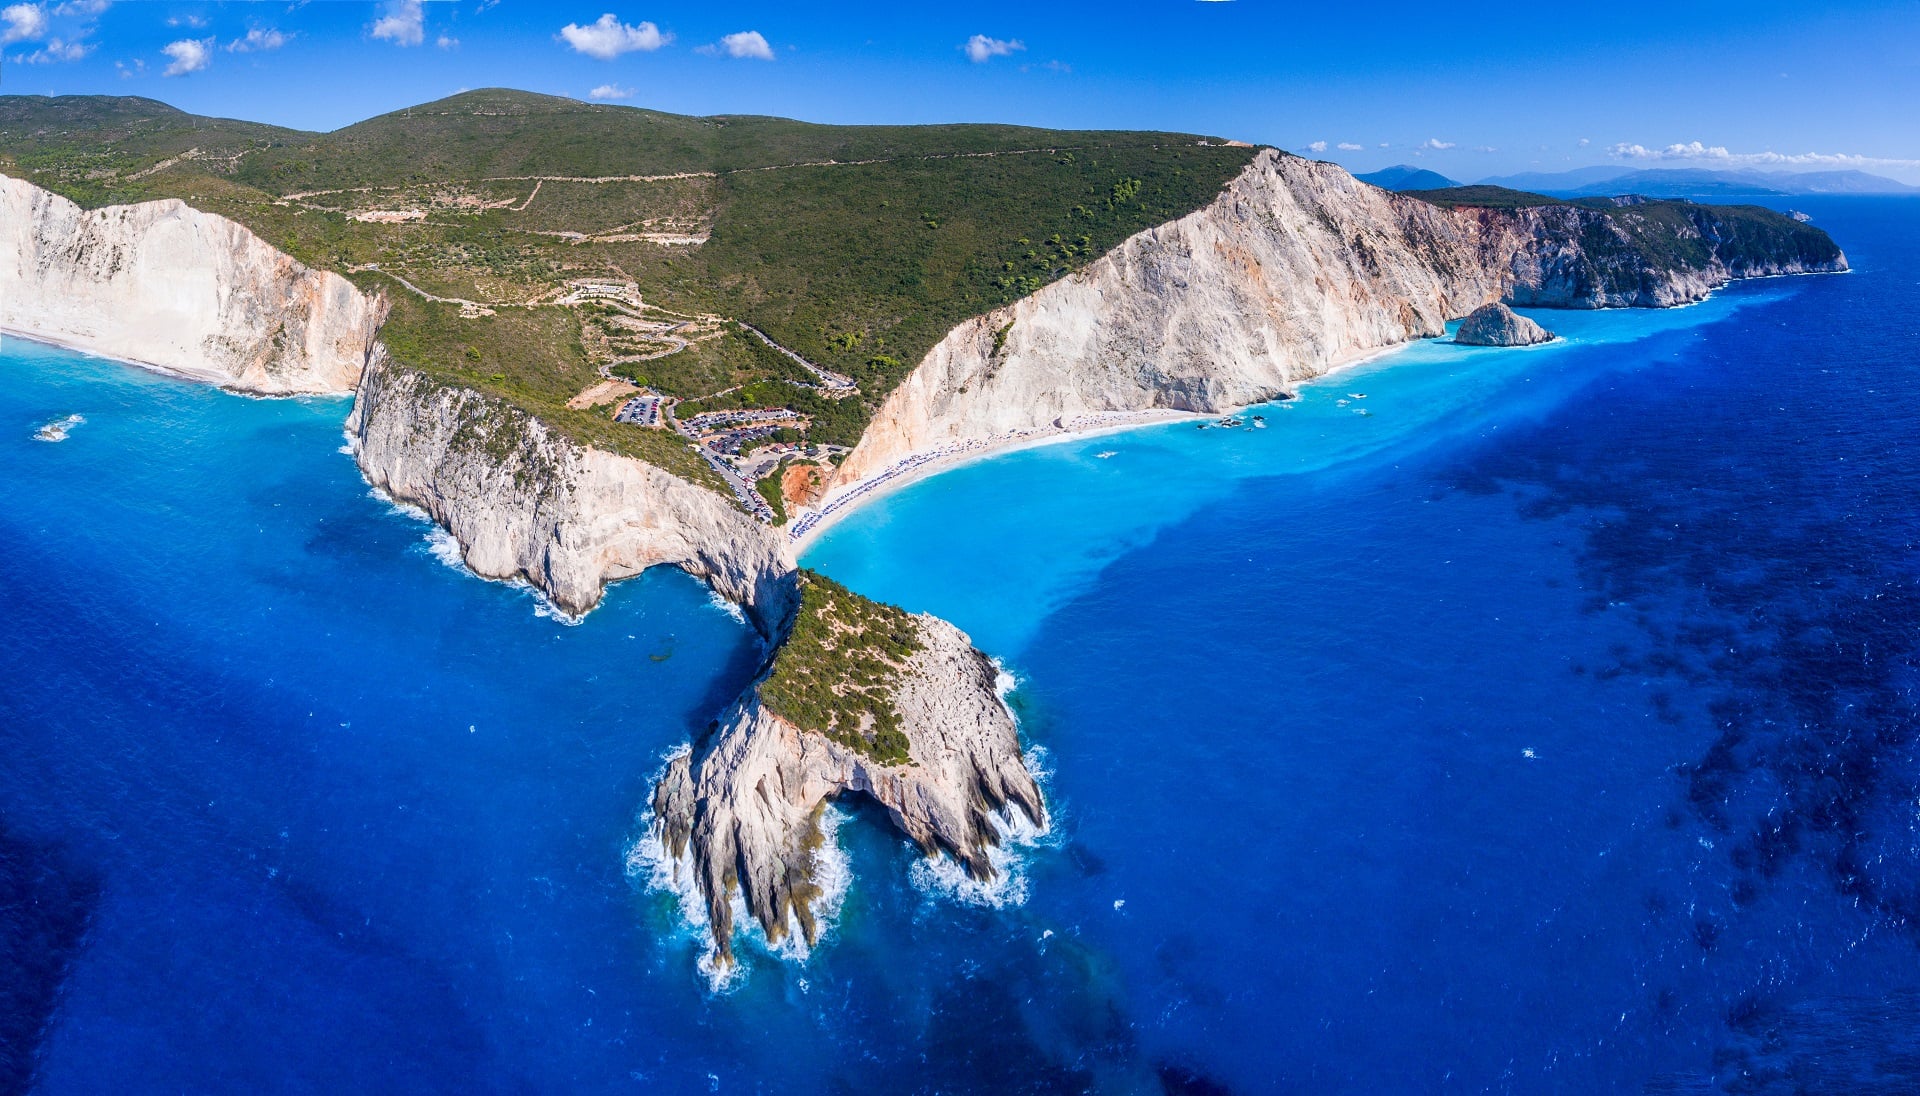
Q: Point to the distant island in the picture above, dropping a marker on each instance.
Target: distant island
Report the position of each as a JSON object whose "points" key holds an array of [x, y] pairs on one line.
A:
{"points": [[1695, 184], [591, 339], [1407, 177]]}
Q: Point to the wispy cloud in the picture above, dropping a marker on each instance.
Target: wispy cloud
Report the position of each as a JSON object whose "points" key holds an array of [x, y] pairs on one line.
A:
{"points": [[747, 45], [980, 49], [1435, 144], [404, 24], [607, 37], [83, 9], [193, 20], [1699, 152], [447, 41], [24, 22], [188, 55], [55, 51], [129, 71], [610, 91], [259, 40], [1348, 146]]}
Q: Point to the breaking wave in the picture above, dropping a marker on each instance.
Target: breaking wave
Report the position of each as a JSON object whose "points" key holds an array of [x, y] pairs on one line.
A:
{"points": [[650, 868]]}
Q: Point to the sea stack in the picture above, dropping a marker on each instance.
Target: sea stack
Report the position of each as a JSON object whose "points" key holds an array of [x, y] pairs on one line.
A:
{"points": [[1497, 325]]}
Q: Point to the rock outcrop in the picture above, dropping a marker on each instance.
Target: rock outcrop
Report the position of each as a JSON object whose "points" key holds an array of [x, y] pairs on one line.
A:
{"points": [[1293, 270], [527, 503], [740, 811], [1497, 325], [167, 286]]}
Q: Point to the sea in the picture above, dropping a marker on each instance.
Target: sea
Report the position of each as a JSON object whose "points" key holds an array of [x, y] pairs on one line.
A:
{"points": [[1480, 720]]}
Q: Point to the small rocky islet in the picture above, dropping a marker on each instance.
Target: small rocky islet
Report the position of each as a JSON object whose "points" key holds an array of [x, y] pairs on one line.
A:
{"points": [[1497, 325]]}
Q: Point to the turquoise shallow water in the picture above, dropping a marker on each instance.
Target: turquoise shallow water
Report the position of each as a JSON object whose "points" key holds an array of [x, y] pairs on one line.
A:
{"points": [[1549, 727]]}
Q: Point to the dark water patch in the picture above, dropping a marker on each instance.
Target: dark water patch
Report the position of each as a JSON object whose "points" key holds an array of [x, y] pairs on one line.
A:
{"points": [[1763, 544], [1865, 1046], [47, 903], [1183, 1080]]}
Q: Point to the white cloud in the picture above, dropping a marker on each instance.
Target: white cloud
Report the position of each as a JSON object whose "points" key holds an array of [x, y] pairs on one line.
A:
{"points": [[981, 49], [23, 21], [128, 72], [610, 91], [748, 44], [1697, 152], [1585, 141], [447, 41], [1485, 148], [1435, 144], [404, 24], [1317, 146], [56, 50], [259, 40], [195, 21], [83, 9], [607, 37], [1347, 146], [189, 55]]}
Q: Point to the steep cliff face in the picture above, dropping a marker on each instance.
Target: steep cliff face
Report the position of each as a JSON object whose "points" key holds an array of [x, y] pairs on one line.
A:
{"points": [[527, 503], [187, 292], [1296, 268], [740, 811], [1638, 254]]}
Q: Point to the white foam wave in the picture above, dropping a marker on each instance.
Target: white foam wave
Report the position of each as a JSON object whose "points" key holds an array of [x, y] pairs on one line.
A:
{"points": [[1004, 682], [726, 606], [941, 877], [58, 429], [445, 547], [394, 505], [651, 868], [442, 545]]}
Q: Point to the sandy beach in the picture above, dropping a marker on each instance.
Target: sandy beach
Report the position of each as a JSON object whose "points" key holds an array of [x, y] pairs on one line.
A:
{"points": [[916, 467]]}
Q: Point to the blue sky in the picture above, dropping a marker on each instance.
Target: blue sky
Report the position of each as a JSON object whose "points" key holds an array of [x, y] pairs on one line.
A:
{"points": [[1469, 90]]}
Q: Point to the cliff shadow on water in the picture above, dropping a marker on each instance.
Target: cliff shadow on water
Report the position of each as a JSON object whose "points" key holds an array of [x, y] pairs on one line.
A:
{"points": [[47, 904], [1751, 518]]}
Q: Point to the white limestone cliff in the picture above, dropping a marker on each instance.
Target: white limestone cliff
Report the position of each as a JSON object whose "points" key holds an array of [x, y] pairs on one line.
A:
{"points": [[527, 503], [167, 286], [1294, 269], [740, 810]]}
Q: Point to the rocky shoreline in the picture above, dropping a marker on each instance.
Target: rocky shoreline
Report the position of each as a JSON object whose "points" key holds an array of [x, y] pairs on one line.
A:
{"points": [[741, 808], [1294, 270]]}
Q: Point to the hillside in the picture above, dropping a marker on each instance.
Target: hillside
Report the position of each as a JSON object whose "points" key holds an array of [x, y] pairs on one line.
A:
{"points": [[1634, 234], [853, 247], [720, 297]]}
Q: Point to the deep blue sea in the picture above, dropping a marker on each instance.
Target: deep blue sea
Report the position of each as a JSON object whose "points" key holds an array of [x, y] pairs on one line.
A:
{"points": [[1550, 726]]}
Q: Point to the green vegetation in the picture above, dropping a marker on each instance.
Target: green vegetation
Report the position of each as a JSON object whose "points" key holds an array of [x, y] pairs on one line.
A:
{"points": [[532, 359], [858, 247], [1628, 235], [769, 489], [839, 669]]}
